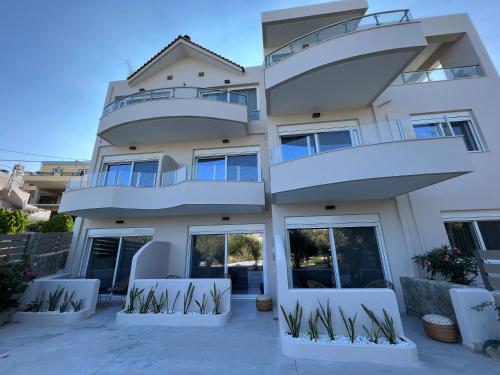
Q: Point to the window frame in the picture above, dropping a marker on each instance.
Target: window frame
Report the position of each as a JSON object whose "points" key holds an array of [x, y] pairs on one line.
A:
{"points": [[130, 159], [475, 227], [330, 223], [257, 96], [445, 119]]}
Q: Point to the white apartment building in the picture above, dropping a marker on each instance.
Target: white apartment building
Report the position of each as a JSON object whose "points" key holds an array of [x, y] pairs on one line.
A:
{"points": [[362, 140]]}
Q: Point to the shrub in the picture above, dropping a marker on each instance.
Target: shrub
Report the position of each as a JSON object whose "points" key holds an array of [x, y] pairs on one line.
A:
{"points": [[57, 223], [14, 279], [452, 264], [13, 221]]}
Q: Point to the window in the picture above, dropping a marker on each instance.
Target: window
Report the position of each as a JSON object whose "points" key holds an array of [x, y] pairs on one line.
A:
{"points": [[335, 257], [474, 235], [47, 199], [446, 126], [296, 146], [251, 98], [131, 173], [82, 172], [57, 170], [238, 167]]}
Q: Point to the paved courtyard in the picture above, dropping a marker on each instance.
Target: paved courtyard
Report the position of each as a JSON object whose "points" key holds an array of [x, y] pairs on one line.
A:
{"points": [[248, 345]]}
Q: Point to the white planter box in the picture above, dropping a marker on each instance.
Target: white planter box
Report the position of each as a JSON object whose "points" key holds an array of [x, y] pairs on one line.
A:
{"points": [[172, 320], [51, 318], [372, 353]]}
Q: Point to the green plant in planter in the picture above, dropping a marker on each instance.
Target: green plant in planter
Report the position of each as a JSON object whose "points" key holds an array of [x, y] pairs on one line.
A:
{"points": [[157, 305], [188, 298], [37, 304], [202, 305], [216, 295], [452, 264], [133, 296], [326, 318], [313, 325], [349, 324], [66, 302], [77, 305], [14, 279], [374, 332], [293, 321], [386, 327], [175, 302], [145, 303], [54, 298]]}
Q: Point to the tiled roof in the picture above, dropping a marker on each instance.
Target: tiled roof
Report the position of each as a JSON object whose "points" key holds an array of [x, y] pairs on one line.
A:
{"points": [[187, 39]]}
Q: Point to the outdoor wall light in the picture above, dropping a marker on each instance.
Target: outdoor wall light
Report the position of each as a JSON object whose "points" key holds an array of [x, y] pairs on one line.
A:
{"points": [[227, 81], [225, 218], [141, 90], [119, 222], [316, 115], [330, 207], [132, 148], [225, 141]]}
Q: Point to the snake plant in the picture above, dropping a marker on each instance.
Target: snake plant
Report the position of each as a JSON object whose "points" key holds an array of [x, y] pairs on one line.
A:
{"points": [[188, 298], [349, 324], [54, 298], [313, 325], [202, 305], [77, 305], [68, 298], [37, 304], [293, 321], [133, 296], [216, 295], [325, 315]]}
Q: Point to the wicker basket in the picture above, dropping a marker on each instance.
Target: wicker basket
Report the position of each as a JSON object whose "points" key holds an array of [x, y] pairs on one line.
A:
{"points": [[264, 303], [440, 332]]}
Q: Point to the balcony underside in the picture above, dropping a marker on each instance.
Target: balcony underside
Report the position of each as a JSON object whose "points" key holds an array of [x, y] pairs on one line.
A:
{"points": [[188, 198], [173, 121], [349, 71], [378, 171]]}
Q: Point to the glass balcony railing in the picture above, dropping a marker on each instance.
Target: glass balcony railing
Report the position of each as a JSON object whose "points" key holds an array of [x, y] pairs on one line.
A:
{"points": [[183, 174], [176, 93], [345, 27], [441, 74]]}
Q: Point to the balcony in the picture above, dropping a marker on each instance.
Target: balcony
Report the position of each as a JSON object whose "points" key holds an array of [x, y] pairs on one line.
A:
{"points": [[334, 62], [374, 171], [174, 114], [178, 192], [441, 74]]}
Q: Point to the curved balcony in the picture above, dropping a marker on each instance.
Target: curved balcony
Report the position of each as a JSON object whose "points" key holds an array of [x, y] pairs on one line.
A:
{"points": [[174, 114], [112, 195], [375, 171], [332, 64]]}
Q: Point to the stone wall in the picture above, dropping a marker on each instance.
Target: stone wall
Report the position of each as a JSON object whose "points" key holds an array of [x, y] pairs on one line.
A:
{"points": [[424, 296]]}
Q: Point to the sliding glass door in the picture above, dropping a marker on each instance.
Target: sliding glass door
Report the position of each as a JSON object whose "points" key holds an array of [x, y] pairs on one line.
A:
{"points": [[242, 167], [235, 255], [335, 257], [110, 258]]}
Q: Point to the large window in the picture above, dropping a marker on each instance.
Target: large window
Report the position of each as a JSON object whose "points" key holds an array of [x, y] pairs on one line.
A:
{"points": [[243, 167], [447, 125], [252, 105], [294, 146], [130, 173], [335, 257], [235, 255], [469, 235]]}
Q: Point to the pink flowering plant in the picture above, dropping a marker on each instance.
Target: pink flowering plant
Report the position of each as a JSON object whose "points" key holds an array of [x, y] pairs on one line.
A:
{"points": [[452, 264], [15, 277]]}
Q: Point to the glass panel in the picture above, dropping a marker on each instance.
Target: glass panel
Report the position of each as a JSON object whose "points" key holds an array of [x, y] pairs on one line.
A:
{"points": [[462, 236], [251, 98], [358, 256], [490, 231], [103, 253], [145, 173], [296, 146], [464, 128], [427, 130], [207, 256], [437, 75], [211, 169], [311, 259], [245, 263], [118, 174], [130, 246], [333, 140], [242, 168]]}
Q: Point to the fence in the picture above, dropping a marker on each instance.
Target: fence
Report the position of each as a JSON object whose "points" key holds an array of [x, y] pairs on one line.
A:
{"points": [[48, 251]]}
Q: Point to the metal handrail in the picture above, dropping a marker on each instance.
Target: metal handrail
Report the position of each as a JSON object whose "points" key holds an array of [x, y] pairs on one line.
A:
{"points": [[200, 93], [474, 70], [406, 17]]}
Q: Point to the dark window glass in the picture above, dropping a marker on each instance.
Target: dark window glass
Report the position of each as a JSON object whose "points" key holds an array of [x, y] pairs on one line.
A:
{"points": [[358, 256], [245, 263], [296, 146], [47, 199], [461, 235], [490, 231], [333, 140], [463, 128], [242, 168], [130, 246], [207, 256], [145, 173], [103, 253], [311, 258], [427, 130]]}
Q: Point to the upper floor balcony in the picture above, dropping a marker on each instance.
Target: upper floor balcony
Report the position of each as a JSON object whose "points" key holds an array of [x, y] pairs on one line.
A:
{"points": [[183, 191], [174, 114], [439, 74], [343, 65], [335, 167]]}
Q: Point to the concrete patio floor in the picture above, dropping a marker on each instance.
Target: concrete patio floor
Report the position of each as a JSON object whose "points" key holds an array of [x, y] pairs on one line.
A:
{"points": [[248, 345]]}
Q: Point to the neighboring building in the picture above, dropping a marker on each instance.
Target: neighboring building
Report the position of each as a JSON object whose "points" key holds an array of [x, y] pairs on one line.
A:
{"points": [[362, 141], [47, 185], [13, 197]]}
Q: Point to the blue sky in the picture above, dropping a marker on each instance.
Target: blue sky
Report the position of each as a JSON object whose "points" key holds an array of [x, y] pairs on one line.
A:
{"points": [[57, 56]]}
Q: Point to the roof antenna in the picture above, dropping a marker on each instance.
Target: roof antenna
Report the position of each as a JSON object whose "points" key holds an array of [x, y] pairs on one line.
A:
{"points": [[130, 70]]}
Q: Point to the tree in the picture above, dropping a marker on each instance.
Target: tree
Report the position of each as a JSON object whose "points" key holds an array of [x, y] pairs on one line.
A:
{"points": [[246, 246], [57, 223], [13, 221], [307, 243]]}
